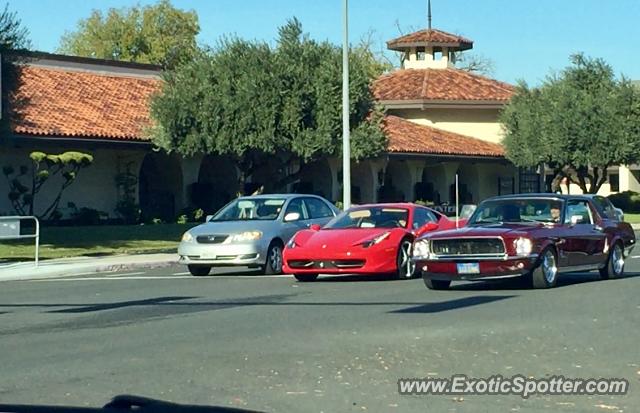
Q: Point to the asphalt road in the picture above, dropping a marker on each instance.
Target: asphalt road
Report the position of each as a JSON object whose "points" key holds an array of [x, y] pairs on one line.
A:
{"points": [[337, 345]]}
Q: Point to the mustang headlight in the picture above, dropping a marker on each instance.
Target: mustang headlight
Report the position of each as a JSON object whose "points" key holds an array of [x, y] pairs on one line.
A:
{"points": [[376, 240], [243, 237], [421, 249], [187, 237], [524, 246]]}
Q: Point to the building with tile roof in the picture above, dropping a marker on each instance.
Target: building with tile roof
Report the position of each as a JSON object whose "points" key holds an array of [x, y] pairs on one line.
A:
{"points": [[440, 122]]}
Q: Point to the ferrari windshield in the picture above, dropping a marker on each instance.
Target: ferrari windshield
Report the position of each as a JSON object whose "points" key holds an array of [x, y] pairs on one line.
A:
{"points": [[517, 210], [243, 209], [371, 217]]}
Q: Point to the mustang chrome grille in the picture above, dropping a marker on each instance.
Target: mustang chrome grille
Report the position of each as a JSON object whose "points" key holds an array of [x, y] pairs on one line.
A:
{"points": [[467, 247], [211, 239]]}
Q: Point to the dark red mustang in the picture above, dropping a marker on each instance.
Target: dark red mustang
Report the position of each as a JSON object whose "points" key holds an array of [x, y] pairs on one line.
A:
{"points": [[536, 236]]}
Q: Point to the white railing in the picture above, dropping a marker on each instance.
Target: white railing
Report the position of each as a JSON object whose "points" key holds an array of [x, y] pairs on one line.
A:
{"points": [[10, 229]]}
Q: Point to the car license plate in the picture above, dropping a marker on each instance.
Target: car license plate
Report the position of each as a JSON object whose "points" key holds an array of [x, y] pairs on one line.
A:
{"points": [[468, 268], [208, 256]]}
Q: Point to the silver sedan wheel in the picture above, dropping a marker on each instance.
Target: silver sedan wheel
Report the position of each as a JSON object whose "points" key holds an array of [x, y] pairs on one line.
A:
{"points": [[275, 259], [549, 268]]}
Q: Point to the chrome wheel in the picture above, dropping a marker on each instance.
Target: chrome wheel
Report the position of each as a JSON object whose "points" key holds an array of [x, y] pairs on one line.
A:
{"points": [[549, 268], [617, 260], [406, 266], [275, 259]]}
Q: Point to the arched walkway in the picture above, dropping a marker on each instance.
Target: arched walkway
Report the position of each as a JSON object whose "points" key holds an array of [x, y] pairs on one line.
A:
{"points": [[434, 186], [398, 185], [160, 187], [316, 179], [217, 183], [362, 190]]}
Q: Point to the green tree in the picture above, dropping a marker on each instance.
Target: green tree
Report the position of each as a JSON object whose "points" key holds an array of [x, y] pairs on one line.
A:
{"points": [[43, 167], [13, 36], [159, 34], [579, 123], [260, 104]]}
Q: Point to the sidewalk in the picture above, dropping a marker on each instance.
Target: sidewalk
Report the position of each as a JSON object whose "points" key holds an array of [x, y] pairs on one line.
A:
{"points": [[83, 265]]}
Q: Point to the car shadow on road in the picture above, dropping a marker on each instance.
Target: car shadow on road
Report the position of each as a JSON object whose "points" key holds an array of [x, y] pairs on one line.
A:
{"points": [[448, 305], [355, 278], [564, 280]]}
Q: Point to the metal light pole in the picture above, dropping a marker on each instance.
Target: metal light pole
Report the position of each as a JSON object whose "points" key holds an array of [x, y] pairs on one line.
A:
{"points": [[346, 148]]}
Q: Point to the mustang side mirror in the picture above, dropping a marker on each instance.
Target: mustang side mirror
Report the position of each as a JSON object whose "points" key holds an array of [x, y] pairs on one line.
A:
{"points": [[577, 219], [208, 218], [315, 227], [292, 216], [430, 226]]}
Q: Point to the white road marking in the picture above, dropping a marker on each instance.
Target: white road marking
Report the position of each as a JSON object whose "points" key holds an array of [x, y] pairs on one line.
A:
{"points": [[136, 276], [182, 273], [166, 277], [635, 256], [115, 274]]}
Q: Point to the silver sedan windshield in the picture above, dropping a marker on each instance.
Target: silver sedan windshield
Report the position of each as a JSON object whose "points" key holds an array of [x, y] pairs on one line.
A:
{"points": [[243, 209]]}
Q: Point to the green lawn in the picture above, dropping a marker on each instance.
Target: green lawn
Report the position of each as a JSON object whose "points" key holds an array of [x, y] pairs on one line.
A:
{"points": [[632, 218], [60, 242]]}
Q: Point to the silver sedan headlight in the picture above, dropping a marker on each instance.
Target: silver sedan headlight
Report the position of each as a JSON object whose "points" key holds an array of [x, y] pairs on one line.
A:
{"points": [[187, 237], [244, 237], [421, 249]]}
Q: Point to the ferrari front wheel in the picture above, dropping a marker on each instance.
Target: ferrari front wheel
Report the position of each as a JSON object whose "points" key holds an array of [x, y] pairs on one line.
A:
{"points": [[306, 277], [404, 264]]}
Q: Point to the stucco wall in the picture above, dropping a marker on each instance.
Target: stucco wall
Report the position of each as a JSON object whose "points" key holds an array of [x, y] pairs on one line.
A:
{"points": [[94, 188], [478, 123]]}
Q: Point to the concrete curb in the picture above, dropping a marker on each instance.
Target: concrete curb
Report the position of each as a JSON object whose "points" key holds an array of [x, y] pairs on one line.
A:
{"points": [[76, 266]]}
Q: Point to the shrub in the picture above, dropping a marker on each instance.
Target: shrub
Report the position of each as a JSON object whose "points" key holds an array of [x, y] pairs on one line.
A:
{"points": [[86, 216], [628, 201], [424, 203]]}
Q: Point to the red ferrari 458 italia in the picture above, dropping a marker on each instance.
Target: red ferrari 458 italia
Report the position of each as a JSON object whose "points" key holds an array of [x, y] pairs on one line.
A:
{"points": [[365, 239]]}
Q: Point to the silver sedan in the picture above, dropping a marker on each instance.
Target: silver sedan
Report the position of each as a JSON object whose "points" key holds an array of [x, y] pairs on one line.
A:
{"points": [[251, 231]]}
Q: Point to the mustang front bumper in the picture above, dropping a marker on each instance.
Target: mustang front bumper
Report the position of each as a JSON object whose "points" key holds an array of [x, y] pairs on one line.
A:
{"points": [[447, 270]]}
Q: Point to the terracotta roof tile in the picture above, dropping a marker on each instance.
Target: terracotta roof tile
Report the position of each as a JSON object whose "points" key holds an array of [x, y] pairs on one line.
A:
{"points": [[439, 84], [56, 102], [406, 136], [427, 36]]}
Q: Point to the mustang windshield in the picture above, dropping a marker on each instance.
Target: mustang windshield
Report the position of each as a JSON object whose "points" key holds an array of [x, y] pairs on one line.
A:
{"points": [[374, 217], [250, 209], [517, 210]]}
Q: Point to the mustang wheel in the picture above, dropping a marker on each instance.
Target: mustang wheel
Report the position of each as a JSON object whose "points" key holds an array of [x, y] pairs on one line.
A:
{"points": [[615, 263], [545, 275], [437, 284], [306, 277], [274, 259], [199, 270], [406, 266]]}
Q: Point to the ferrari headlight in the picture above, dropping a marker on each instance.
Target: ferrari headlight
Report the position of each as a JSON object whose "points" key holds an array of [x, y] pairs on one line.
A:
{"points": [[376, 240], [187, 237], [524, 246], [421, 249], [244, 237], [292, 243]]}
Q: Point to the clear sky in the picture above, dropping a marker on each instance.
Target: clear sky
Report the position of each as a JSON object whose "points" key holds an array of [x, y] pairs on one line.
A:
{"points": [[525, 39]]}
